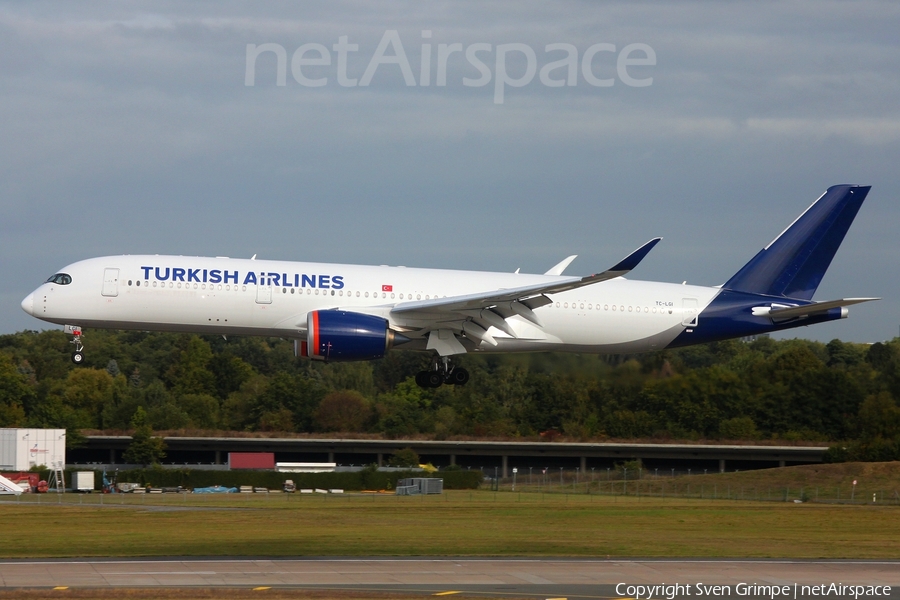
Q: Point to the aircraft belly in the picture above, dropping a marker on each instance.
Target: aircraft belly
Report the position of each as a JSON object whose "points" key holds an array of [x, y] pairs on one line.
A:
{"points": [[594, 345]]}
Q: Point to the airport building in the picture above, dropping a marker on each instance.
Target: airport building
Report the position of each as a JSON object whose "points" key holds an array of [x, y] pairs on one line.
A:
{"points": [[529, 457], [22, 449]]}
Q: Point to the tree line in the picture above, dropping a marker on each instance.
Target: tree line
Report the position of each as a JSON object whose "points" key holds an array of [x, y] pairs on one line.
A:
{"points": [[792, 390]]}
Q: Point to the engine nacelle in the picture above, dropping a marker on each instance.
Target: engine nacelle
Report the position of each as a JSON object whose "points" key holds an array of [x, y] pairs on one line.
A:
{"points": [[336, 335]]}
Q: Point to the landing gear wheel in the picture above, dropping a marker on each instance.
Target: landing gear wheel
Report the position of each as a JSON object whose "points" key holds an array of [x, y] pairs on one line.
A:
{"points": [[434, 379], [422, 379], [442, 372], [429, 379], [458, 376], [75, 330]]}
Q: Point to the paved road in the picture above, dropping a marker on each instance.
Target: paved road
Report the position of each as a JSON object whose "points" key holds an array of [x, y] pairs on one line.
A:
{"points": [[513, 577]]}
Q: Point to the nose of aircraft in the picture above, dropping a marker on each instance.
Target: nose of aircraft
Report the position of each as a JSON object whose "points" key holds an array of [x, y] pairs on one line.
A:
{"points": [[28, 304]]}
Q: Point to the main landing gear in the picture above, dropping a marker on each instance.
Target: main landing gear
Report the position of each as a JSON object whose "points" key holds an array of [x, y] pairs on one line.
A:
{"points": [[78, 355], [442, 372]]}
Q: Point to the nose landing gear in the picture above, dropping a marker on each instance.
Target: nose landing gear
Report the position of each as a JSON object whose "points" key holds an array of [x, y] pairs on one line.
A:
{"points": [[442, 372], [78, 355]]}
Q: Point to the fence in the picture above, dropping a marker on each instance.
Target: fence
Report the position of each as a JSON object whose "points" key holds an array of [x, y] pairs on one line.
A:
{"points": [[670, 483]]}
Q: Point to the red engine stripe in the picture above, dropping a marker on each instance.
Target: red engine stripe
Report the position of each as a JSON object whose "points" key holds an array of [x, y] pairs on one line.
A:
{"points": [[314, 351]]}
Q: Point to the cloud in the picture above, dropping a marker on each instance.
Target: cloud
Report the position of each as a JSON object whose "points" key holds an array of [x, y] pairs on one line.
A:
{"points": [[128, 128]]}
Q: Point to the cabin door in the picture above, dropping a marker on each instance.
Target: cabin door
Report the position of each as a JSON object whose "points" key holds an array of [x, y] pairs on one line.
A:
{"points": [[110, 282], [690, 312], [263, 294]]}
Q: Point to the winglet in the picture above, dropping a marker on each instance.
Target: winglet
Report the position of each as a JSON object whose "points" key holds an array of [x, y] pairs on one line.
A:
{"points": [[624, 266], [632, 260]]}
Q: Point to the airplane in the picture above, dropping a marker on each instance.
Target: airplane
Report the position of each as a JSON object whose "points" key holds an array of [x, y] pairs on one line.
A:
{"points": [[337, 312]]}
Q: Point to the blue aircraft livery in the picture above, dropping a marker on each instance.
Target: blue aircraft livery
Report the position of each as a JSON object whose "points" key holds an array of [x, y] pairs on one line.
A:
{"points": [[299, 280]]}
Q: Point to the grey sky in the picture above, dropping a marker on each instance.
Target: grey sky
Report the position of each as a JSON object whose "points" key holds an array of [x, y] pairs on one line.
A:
{"points": [[127, 128]]}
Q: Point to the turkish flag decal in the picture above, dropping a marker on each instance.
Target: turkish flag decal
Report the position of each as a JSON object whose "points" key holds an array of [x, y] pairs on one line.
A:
{"points": [[387, 288]]}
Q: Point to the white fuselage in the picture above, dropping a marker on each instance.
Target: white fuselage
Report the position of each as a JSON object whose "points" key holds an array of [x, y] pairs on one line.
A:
{"points": [[272, 298]]}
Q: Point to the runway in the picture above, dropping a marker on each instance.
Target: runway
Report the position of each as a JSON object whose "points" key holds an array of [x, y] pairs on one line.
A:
{"points": [[545, 578]]}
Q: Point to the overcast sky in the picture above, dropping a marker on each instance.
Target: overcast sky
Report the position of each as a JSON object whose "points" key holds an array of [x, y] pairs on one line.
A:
{"points": [[130, 127]]}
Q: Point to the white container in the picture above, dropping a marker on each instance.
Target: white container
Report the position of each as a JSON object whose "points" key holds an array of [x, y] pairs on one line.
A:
{"points": [[21, 449], [83, 481]]}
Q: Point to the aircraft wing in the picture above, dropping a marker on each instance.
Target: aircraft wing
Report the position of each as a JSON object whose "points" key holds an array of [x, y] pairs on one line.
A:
{"points": [[442, 319], [489, 298]]}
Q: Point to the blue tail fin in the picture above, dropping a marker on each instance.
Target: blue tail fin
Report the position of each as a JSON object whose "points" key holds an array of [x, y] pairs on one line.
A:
{"points": [[795, 262]]}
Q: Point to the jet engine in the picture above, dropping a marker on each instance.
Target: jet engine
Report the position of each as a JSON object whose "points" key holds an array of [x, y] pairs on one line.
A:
{"points": [[337, 335]]}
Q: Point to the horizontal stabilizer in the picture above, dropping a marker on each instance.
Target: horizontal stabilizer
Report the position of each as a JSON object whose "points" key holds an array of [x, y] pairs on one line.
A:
{"points": [[792, 312]]}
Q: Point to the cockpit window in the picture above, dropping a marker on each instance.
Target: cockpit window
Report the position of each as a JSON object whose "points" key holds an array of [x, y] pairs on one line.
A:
{"points": [[61, 279]]}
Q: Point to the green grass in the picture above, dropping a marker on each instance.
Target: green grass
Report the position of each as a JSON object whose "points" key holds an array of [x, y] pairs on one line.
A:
{"points": [[825, 483], [820, 483], [478, 523]]}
